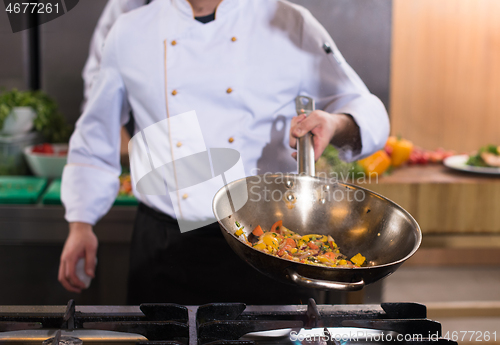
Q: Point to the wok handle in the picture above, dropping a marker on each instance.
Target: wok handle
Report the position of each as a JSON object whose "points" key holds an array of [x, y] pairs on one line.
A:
{"points": [[323, 284], [305, 146]]}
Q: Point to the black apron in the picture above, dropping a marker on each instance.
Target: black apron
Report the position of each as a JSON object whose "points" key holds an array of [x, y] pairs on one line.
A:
{"points": [[196, 267]]}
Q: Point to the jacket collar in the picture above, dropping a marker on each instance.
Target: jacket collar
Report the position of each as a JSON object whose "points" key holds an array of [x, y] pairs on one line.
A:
{"points": [[225, 7]]}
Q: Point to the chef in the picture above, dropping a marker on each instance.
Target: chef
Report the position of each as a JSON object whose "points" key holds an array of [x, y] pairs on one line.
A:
{"points": [[239, 64]]}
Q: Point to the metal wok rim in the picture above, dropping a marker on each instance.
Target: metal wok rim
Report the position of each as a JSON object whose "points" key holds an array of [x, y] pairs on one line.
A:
{"points": [[304, 177]]}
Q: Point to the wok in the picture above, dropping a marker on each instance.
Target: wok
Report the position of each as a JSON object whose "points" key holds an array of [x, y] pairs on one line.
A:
{"points": [[359, 220]]}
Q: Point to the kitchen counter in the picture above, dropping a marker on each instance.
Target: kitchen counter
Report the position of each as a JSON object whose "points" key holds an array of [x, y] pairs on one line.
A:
{"points": [[457, 212], [434, 173], [444, 201], [46, 224], [31, 241]]}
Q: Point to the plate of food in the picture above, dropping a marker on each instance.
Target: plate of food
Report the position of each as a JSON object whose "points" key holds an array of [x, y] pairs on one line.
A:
{"points": [[485, 161]]}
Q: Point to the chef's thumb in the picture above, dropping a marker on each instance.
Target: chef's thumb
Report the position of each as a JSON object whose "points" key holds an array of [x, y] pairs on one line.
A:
{"points": [[90, 262]]}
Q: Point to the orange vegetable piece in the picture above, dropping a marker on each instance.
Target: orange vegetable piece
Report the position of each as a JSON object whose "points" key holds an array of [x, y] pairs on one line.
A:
{"points": [[377, 163], [291, 242], [312, 245], [283, 250], [276, 226], [331, 255], [257, 231], [400, 150]]}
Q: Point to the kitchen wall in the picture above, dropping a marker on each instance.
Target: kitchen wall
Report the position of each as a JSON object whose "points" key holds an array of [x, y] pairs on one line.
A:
{"points": [[362, 31], [445, 73], [64, 49], [64, 44], [12, 63]]}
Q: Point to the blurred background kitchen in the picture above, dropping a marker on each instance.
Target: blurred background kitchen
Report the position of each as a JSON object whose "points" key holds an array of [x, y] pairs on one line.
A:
{"points": [[434, 64]]}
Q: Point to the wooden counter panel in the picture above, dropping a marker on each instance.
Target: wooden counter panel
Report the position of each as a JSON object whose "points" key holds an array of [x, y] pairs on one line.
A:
{"points": [[443, 201]]}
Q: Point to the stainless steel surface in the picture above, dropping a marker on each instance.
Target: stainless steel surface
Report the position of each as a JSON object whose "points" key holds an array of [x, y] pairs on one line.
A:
{"points": [[96, 337], [359, 220], [62, 340], [40, 310], [305, 147]]}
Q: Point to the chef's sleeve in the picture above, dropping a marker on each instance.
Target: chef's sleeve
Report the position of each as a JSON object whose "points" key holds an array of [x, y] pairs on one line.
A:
{"points": [[90, 180], [338, 89]]}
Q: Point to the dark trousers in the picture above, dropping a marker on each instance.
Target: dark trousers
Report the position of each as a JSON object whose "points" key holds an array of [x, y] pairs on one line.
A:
{"points": [[196, 267]]}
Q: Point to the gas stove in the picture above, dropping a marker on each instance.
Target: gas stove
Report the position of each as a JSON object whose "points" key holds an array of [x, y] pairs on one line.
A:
{"points": [[220, 323]]}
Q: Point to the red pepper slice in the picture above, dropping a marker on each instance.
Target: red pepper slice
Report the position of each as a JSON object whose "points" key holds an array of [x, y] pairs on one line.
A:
{"points": [[276, 226]]}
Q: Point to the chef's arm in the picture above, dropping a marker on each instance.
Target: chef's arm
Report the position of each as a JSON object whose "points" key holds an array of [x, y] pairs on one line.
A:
{"points": [[339, 130], [90, 180]]}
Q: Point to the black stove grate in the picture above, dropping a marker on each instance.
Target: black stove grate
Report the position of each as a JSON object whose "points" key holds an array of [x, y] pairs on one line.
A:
{"points": [[219, 324], [227, 323]]}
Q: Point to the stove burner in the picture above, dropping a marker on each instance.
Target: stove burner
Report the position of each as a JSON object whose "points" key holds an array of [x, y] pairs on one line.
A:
{"points": [[226, 323], [63, 340]]}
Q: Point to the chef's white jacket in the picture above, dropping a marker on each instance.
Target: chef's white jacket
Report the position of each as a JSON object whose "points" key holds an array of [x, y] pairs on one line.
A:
{"points": [[240, 73]]}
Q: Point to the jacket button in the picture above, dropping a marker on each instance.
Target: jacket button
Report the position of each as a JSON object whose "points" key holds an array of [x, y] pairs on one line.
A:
{"points": [[174, 42], [231, 140], [229, 90], [233, 39], [174, 92], [179, 144], [185, 196]]}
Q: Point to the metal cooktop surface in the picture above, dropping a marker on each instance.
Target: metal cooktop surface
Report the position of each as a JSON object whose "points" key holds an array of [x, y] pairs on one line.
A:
{"points": [[222, 323]]}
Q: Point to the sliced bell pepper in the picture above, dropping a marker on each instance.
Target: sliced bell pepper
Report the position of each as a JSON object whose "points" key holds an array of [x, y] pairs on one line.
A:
{"points": [[400, 150], [276, 226], [377, 163], [358, 259]]}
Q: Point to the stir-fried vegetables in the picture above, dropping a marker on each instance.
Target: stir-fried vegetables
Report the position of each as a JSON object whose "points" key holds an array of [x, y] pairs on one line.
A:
{"points": [[310, 249]]}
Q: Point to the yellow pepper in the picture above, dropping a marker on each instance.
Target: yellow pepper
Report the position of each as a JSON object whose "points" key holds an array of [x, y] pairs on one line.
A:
{"points": [[239, 232], [260, 246], [400, 150], [313, 237], [358, 259], [323, 259], [377, 163], [270, 239]]}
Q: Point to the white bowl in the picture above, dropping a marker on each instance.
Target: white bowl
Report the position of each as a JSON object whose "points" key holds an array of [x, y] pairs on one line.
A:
{"points": [[19, 121], [47, 164]]}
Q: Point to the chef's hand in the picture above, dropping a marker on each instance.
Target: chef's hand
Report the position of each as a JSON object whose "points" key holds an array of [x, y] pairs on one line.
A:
{"points": [[81, 243], [336, 129]]}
